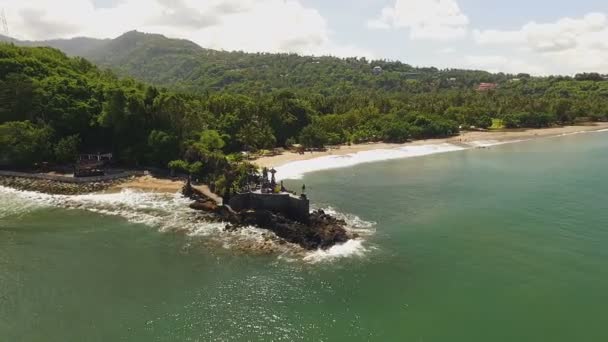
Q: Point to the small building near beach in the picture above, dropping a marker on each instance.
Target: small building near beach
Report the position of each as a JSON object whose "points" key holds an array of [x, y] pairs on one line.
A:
{"points": [[487, 86], [92, 165]]}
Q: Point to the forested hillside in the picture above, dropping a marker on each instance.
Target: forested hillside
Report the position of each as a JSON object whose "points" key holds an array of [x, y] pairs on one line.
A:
{"points": [[53, 107], [183, 65]]}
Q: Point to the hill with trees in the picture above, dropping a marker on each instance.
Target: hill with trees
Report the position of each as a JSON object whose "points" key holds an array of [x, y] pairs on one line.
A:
{"points": [[53, 107], [183, 65]]}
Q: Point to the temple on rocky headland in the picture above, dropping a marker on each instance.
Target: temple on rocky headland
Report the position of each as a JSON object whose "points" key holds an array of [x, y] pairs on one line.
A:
{"points": [[268, 205]]}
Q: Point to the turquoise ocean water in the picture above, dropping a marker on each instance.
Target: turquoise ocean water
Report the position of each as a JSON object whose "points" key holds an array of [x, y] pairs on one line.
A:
{"points": [[502, 244]]}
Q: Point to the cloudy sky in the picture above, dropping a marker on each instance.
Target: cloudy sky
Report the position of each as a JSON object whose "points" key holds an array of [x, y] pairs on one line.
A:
{"points": [[536, 36]]}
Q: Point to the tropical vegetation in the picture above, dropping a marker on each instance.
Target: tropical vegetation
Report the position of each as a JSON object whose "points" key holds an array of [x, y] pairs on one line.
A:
{"points": [[200, 114]]}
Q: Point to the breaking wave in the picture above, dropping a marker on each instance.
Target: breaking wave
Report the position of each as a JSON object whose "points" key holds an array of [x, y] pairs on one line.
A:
{"points": [[352, 248], [576, 133], [490, 143], [297, 169], [358, 247], [169, 213]]}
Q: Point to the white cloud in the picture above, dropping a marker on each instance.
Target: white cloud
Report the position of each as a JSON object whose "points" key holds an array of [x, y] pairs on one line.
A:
{"points": [[576, 45], [561, 35], [249, 25], [429, 19]]}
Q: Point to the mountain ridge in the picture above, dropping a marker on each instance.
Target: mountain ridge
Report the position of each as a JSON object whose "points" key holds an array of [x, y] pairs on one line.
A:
{"points": [[186, 66], [75, 47]]}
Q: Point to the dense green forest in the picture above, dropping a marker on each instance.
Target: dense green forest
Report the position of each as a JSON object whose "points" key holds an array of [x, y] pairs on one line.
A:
{"points": [[53, 107], [185, 66]]}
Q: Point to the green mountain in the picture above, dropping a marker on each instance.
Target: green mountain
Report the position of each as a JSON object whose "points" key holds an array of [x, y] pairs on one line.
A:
{"points": [[52, 106], [184, 65], [80, 46], [6, 39], [152, 58]]}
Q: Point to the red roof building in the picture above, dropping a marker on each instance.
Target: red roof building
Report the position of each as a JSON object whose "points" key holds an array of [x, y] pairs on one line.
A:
{"points": [[487, 86]]}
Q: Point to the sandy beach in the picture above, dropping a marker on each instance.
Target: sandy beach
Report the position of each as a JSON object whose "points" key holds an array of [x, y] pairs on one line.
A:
{"points": [[465, 139], [149, 184], [159, 185], [292, 165]]}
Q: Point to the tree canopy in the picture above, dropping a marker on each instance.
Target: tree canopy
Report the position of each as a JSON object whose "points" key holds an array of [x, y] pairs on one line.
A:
{"points": [[53, 106]]}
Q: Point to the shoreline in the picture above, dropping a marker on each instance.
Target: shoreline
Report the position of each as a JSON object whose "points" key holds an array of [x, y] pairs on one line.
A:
{"points": [[291, 165], [58, 186], [55, 187], [465, 139]]}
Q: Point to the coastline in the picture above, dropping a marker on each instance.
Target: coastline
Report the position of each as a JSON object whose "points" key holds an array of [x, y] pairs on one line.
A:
{"points": [[291, 165], [147, 184]]}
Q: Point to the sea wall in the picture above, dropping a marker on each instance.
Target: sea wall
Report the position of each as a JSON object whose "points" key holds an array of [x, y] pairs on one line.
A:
{"points": [[292, 207], [74, 180], [61, 185]]}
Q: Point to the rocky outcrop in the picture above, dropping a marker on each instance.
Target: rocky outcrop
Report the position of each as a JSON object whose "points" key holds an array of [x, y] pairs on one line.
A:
{"points": [[322, 231], [208, 206]]}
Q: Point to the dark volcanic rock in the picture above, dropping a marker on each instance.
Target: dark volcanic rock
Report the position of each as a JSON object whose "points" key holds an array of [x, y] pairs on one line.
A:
{"points": [[323, 231], [208, 206]]}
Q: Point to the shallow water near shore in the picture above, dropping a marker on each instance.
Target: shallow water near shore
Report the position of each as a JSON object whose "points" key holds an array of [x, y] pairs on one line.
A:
{"points": [[500, 244]]}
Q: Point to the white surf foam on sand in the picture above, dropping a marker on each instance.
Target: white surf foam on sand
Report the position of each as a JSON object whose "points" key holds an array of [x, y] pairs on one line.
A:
{"points": [[295, 170], [490, 143], [575, 133], [582, 132]]}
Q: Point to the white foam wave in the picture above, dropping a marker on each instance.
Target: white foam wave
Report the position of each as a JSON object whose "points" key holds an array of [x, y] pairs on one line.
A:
{"points": [[167, 212], [170, 213], [490, 143], [583, 132], [137, 207], [352, 248], [12, 205], [575, 133], [354, 223], [295, 170]]}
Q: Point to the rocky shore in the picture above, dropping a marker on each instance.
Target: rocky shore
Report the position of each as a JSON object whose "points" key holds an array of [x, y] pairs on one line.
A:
{"points": [[322, 231], [54, 187]]}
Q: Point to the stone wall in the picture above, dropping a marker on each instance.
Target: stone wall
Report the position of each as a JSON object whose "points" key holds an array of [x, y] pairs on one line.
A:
{"points": [[64, 179], [292, 207]]}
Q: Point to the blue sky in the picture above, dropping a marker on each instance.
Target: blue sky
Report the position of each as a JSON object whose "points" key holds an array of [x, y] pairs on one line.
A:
{"points": [[567, 37], [347, 28]]}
